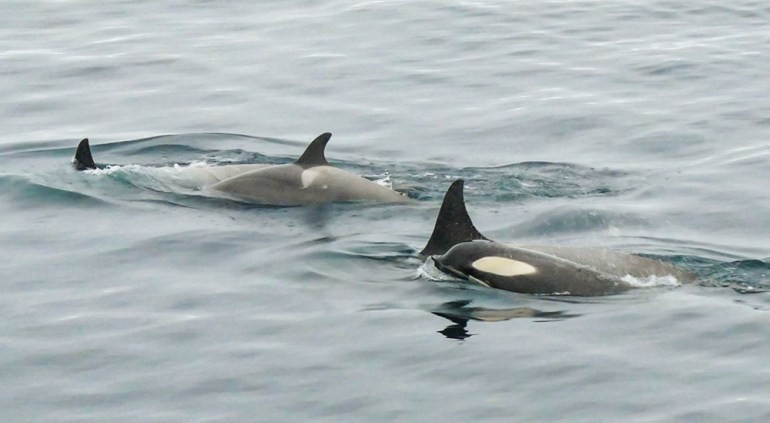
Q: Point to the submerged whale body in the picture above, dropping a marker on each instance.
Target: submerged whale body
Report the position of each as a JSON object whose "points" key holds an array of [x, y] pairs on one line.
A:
{"points": [[458, 249], [308, 180], [205, 175]]}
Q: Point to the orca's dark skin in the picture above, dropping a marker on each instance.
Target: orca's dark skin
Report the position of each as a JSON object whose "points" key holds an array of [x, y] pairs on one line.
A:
{"points": [[457, 248], [83, 159]]}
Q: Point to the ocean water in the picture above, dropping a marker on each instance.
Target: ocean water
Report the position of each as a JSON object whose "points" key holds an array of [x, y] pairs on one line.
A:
{"points": [[132, 295]]}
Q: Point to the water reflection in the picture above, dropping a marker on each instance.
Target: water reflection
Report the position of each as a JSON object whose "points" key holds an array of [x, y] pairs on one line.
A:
{"points": [[459, 313]]}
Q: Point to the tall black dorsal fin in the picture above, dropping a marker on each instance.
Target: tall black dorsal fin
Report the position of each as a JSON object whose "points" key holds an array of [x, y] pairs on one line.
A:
{"points": [[314, 153], [453, 224], [83, 159]]}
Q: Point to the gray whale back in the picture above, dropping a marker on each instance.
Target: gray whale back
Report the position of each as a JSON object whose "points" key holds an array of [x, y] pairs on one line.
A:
{"points": [[308, 180]]}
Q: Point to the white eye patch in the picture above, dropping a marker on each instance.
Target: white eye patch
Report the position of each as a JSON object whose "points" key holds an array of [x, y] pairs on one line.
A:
{"points": [[502, 266]]}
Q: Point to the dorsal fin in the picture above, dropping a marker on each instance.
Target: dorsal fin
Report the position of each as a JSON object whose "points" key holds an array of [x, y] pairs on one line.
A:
{"points": [[453, 224], [314, 153], [83, 159]]}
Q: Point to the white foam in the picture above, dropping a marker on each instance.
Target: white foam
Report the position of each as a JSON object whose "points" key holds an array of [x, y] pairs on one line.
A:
{"points": [[429, 271], [385, 181], [167, 178], [651, 281], [112, 169]]}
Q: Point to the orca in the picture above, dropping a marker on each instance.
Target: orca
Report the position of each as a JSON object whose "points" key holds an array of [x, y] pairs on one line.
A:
{"points": [[308, 180], [458, 249]]}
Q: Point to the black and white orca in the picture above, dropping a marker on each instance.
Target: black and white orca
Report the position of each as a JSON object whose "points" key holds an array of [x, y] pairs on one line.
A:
{"points": [[458, 249]]}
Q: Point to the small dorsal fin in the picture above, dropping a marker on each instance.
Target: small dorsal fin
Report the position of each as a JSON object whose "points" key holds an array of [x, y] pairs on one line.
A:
{"points": [[314, 153], [453, 224], [83, 159]]}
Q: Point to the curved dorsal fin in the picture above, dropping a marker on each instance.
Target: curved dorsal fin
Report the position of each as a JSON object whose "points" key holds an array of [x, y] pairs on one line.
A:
{"points": [[83, 159], [453, 224], [314, 153]]}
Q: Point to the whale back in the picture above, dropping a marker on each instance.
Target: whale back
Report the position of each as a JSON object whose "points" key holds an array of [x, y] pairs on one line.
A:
{"points": [[308, 180]]}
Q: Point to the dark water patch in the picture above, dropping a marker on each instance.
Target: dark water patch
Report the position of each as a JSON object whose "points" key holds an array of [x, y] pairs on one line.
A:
{"points": [[743, 276], [508, 183], [714, 265], [549, 180]]}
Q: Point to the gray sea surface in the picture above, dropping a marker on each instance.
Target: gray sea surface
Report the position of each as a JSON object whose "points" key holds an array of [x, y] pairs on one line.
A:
{"points": [[130, 294]]}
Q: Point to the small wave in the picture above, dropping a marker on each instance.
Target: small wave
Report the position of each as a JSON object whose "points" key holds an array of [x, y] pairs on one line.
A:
{"points": [[397, 253], [25, 191], [175, 178], [669, 67]]}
